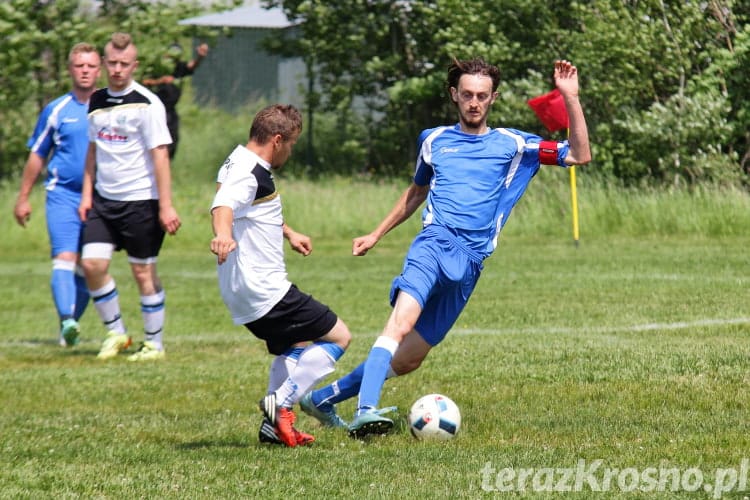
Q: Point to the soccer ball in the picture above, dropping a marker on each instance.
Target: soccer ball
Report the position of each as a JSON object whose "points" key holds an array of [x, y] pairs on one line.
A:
{"points": [[434, 417]]}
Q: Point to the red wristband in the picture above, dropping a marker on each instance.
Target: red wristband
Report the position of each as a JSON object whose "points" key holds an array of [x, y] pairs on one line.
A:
{"points": [[548, 153]]}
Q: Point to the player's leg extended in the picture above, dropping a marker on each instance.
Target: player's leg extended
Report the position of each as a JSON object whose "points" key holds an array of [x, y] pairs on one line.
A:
{"points": [[367, 419], [283, 365], [408, 357], [315, 363], [404, 315]]}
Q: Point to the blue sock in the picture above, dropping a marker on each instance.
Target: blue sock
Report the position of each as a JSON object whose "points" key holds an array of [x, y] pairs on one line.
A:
{"points": [[82, 296], [375, 371], [344, 388], [63, 288]]}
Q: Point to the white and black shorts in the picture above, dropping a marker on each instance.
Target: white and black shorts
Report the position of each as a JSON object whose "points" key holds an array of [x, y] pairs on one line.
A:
{"points": [[297, 317], [130, 225]]}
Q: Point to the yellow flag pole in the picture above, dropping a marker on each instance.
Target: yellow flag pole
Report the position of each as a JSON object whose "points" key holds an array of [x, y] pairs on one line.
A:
{"points": [[574, 200]]}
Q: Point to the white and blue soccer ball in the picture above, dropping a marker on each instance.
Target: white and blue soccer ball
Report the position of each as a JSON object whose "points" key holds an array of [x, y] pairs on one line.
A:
{"points": [[434, 417]]}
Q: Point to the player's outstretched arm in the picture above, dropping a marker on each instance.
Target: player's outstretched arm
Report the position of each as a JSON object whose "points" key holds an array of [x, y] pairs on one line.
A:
{"points": [[566, 81], [406, 205]]}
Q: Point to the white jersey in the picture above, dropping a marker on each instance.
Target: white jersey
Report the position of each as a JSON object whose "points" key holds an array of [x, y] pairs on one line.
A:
{"points": [[253, 279], [126, 126]]}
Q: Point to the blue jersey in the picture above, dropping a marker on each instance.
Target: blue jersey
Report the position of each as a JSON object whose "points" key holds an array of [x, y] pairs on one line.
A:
{"points": [[62, 131], [476, 180]]}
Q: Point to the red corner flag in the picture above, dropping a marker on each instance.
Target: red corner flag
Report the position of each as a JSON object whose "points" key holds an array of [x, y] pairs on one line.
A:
{"points": [[550, 109]]}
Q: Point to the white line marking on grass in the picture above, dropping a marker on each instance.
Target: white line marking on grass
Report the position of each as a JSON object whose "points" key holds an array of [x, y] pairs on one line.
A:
{"points": [[679, 325], [222, 337]]}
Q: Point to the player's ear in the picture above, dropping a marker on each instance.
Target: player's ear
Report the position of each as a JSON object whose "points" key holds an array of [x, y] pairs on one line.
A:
{"points": [[277, 141], [454, 94]]}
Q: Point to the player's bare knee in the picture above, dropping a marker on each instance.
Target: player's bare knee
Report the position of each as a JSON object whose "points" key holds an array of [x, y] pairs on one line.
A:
{"points": [[340, 335]]}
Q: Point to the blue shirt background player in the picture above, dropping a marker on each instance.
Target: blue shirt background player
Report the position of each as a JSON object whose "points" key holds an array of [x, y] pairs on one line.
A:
{"points": [[60, 142]]}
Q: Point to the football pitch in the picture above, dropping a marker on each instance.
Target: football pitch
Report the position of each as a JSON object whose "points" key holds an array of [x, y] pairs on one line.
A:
{"points": [[615, 369]]}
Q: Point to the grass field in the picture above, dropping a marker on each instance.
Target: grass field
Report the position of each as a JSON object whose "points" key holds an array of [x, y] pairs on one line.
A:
{"points": [[630, 349]]}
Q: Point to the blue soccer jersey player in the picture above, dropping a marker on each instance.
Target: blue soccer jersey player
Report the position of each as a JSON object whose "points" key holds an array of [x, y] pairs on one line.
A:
{"points": [[471, 176], [61, 137]]}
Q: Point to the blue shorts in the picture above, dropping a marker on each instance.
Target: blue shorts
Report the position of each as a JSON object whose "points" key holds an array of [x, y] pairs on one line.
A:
{"points": [[440, 274], [64, 226]]}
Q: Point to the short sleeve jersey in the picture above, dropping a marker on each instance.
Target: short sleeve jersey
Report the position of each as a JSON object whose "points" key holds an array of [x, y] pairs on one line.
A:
{"points": [[476, 180], [61, 132], [126, 126], [253, 279]]}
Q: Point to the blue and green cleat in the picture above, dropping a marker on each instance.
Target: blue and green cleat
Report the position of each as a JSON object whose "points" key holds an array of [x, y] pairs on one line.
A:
{"points": [[370, 422], [69, 331]]}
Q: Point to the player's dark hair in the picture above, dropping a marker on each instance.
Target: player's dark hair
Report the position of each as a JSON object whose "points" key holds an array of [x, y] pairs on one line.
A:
{"points": [[476, 66], [120, 40], [282, 119]]}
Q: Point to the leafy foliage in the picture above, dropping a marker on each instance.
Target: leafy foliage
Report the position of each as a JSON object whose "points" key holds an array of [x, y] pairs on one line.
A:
{"points": [[664, 84], [35, 37]]}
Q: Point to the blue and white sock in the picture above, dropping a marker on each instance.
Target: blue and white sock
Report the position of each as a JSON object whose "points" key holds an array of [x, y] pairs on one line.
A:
{"points": [[376, 367], [344, 388], [82, 295], [315, 362], [63, 287], [281, 366], [107, 304], [152, 310]]}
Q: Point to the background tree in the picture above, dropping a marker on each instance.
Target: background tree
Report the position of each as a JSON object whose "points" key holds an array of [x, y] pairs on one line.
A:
{"points": [[664, 84], [664, 81]]}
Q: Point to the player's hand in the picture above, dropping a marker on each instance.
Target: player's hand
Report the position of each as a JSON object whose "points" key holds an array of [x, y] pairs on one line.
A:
{"points": [[22, 212], [300, 243], [202, 50], [361, 245], [83, 209], [169, 220], [566, 78], [221, 246]]}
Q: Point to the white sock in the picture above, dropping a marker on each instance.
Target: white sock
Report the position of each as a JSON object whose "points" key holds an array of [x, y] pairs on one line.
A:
{"points": [[281, 366], [107, 304], [315, 362], [152, 310]]}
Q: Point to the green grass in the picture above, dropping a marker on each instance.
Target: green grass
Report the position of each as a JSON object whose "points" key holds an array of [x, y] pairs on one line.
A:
{"points": [[631, 348]]}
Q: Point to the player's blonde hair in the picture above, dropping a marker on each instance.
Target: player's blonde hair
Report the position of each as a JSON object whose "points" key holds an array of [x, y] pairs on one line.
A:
{"points": [[80, 48]]}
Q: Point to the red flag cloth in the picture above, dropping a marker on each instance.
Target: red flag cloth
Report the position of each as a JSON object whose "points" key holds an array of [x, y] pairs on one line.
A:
{"points": [[550, 108]]}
